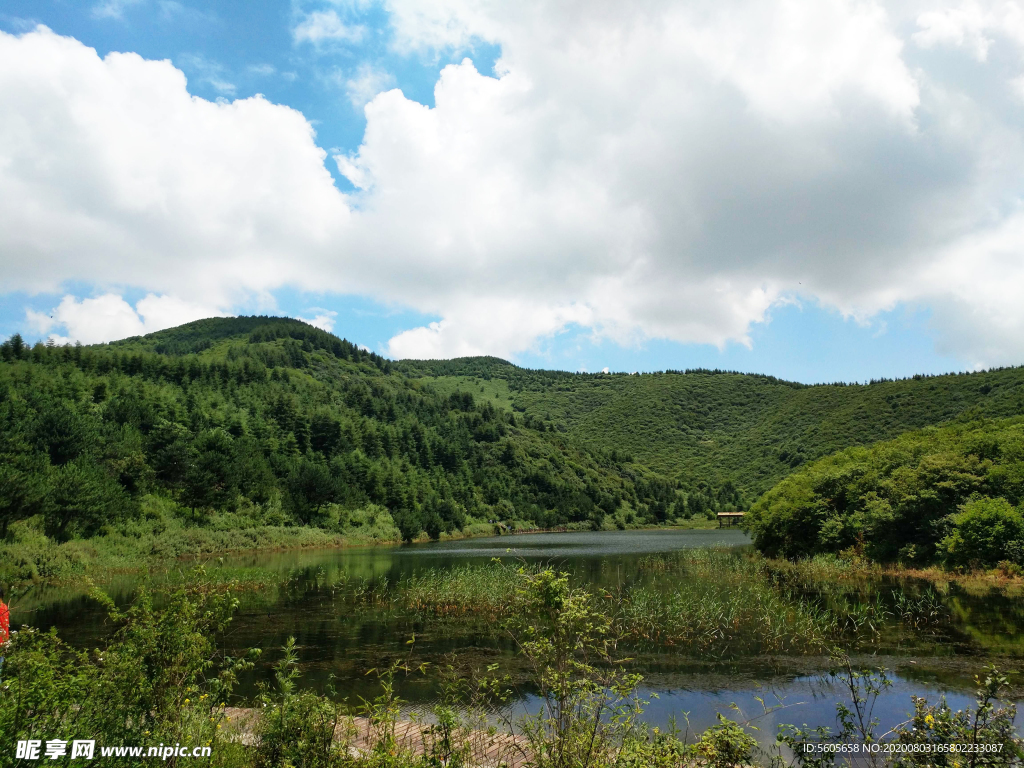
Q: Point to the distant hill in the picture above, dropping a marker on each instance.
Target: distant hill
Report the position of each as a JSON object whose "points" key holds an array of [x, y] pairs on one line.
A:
{"points": [[712, 427], [220, 334]]}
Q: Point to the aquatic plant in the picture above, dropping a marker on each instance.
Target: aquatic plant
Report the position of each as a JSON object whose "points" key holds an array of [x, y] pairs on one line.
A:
{"points": [[934, 736]]}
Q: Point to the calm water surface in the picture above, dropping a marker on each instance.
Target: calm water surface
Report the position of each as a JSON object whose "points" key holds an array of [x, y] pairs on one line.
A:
{"points": [[337, 644]]}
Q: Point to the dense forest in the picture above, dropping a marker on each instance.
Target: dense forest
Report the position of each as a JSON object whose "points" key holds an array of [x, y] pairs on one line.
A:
{"points": [[951, 495], [707, 428], [289, 422]]}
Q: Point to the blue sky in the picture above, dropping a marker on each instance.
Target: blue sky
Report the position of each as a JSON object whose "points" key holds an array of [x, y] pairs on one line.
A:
{"points": [[551, 210]]}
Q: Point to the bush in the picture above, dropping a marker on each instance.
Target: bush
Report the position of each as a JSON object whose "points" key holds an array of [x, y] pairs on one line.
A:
{"points": [[725, 745], [981, 532], [159, 679], [989, 727], [893, 500], [984, 735], [296, 728]]}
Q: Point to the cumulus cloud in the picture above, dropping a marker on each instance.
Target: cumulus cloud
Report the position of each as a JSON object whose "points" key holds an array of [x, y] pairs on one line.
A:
{"points": [[109, 316], [367, 83], [677, 169], [322, 318], [112, 174], [645, 170], [325, 26], [971, 25]]}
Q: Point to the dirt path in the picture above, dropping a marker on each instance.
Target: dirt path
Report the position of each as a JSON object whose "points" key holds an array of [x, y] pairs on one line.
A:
{"points": [[487, 749]]}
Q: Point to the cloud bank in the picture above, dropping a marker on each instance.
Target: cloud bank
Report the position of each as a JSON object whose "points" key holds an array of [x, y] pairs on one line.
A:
{"points": [[645, 170]]}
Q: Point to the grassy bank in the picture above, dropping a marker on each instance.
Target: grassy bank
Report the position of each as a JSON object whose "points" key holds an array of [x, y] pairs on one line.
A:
{"points": [[165, 534]]}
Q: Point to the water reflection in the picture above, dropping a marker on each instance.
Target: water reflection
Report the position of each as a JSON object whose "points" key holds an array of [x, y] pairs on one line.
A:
{"points": [[338, 643]]}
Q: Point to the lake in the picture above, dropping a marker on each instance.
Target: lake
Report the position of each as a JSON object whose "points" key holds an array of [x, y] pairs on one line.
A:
{"points": [[338, 643]]}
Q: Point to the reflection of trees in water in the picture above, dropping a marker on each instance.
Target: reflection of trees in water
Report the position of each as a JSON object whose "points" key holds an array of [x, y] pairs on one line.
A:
{"points": [[992, 623]]}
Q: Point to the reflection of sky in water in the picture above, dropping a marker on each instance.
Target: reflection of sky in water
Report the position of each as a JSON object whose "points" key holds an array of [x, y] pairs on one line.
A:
{"points": [[802, 701]]}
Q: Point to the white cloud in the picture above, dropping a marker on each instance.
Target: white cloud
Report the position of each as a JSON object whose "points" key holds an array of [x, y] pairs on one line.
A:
{"points": [[971, 25], [367, 83], [636, 170], [110, 317], [325, 26], [478, 326], [113, 175], [112, 9], [322, 318]]}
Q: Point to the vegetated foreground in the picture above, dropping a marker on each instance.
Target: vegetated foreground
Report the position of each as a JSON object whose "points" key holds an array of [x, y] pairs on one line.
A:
{"points": [[163, 679]]}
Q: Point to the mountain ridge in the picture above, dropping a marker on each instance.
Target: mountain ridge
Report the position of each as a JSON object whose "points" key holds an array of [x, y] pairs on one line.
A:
{"points": [[702, 429]]}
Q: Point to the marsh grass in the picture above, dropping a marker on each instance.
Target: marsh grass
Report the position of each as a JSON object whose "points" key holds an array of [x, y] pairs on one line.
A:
{"points": [[462, 590], [704, 602]]}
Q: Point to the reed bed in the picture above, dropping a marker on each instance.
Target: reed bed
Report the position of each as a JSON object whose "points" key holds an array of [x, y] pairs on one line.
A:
{"points": [[711, 619], [463, 590], [705, 602], [748, 602]]}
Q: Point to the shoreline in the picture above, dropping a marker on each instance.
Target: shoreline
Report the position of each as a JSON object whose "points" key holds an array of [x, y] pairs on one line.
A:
{"points": [[95, 565], [87, 561]]}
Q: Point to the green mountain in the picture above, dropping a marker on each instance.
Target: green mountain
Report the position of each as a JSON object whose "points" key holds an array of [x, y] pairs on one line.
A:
{"points": [[707, 428], [279, 423]]}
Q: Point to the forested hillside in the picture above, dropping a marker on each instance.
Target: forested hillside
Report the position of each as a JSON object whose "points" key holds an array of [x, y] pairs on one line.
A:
{"points": [[707, 429], [951, 495], [287, 424], [258, 421]]}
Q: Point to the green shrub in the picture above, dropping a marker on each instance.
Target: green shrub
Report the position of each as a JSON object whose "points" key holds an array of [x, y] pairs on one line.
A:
{"points": [[161, 678], [981, 532], [988, 727], [984, 736], [725, 745], [894, 501], [296, 727]]}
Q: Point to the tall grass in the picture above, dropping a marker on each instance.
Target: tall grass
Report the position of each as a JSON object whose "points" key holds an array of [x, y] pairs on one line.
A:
{"points": [[706, 602], [462, 590]]}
